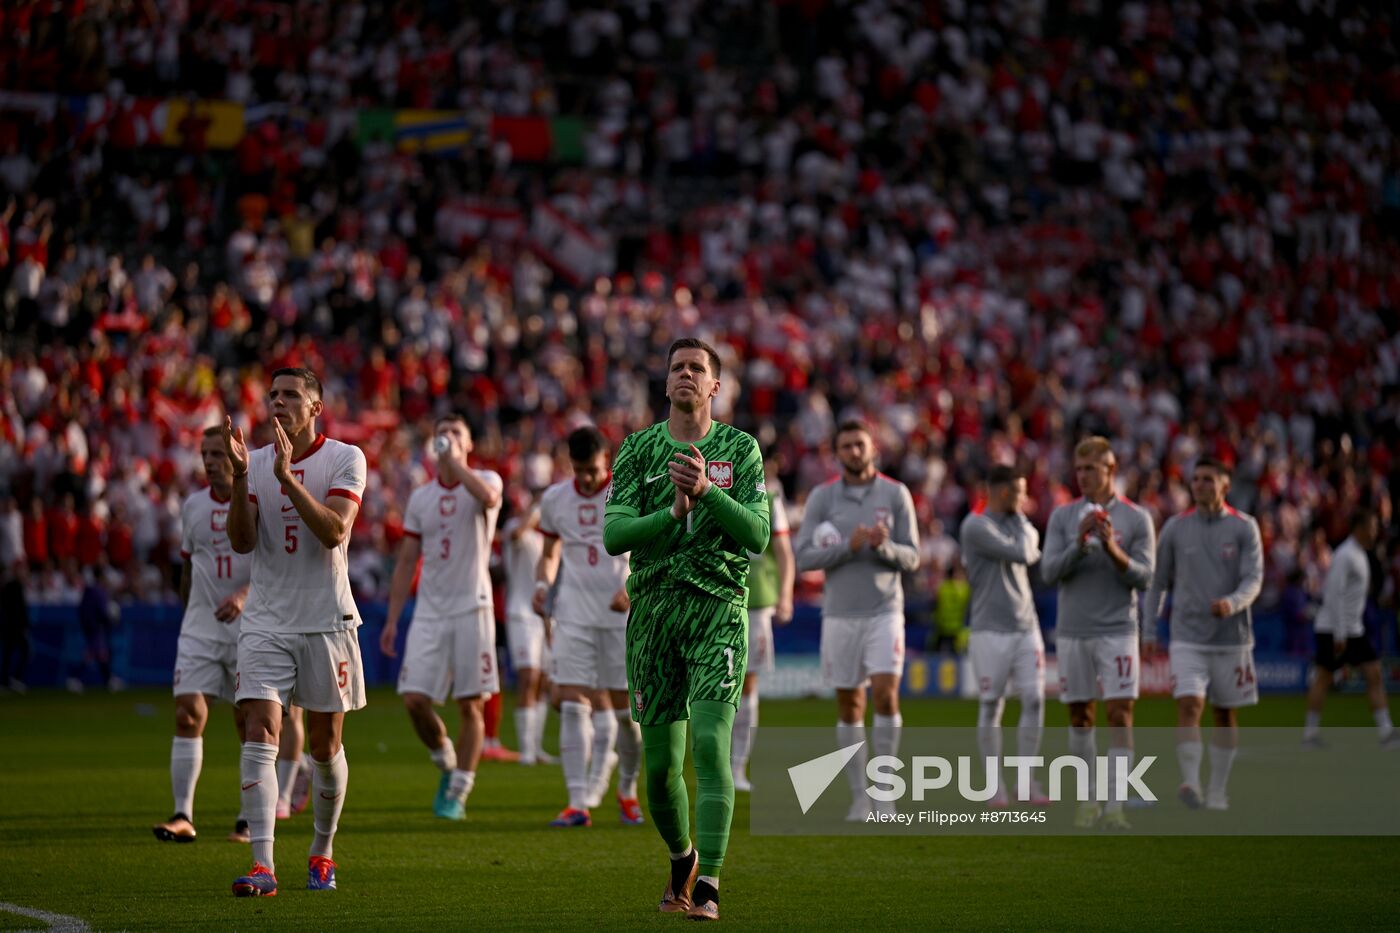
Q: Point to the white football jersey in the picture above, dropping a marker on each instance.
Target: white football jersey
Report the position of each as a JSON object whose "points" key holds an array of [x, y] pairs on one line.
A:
{"points": [[455, 533], [522, 555], [298, 584], [589, 577], [217, 570]]}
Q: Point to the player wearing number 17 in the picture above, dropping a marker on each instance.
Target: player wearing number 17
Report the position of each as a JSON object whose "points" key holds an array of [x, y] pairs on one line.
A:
{"points": [[688, 500], [294, 503]]}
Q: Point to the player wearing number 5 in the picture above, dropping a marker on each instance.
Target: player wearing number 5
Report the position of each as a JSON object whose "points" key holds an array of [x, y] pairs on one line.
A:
{"points": [[590, 632], [688, 499], [1211, 560], [451, 643], [294, 503]]}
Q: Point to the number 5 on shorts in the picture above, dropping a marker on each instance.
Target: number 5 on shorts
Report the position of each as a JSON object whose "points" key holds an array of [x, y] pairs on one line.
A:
{"points": [[342, 674]]}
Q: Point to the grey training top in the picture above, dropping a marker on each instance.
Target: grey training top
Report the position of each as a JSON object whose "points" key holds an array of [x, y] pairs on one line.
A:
{"points": [[1202, 558], [997, 551], [1096, 598], [865, 582]]}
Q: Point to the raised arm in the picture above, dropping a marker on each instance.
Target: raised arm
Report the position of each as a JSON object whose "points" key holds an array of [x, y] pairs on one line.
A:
{"points": [[1062, 554], [329, 521], [986, 539], [242, 511], [810, 554]]}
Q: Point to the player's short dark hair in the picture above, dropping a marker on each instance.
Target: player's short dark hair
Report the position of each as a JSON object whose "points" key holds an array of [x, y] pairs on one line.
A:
{"points": [[1213, 463], [694, 343], [851, 424], [308, 378], [1361, 515], [585, 443], [450, 417], [214, 430], [1002, 474]]}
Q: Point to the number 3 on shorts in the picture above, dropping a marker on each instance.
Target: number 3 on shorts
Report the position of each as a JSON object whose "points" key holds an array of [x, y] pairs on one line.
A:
{"points": [[342, 674]]}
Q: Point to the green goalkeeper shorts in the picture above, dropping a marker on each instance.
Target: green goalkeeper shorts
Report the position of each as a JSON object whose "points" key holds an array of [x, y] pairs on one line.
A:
{"points": [[683, 645]]}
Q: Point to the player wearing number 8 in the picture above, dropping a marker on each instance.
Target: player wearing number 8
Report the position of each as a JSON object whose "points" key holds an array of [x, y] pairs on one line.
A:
{"points": [[451, 643], [688, 499], [293, 505], [589, 638], [1210, 559]]}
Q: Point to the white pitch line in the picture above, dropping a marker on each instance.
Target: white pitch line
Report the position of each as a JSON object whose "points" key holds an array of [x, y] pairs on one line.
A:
{"points": [[58, 923]]}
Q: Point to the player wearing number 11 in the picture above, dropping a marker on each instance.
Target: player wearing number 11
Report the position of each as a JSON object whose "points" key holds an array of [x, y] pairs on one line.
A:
{"points": [[688, 500], [294, 503]]}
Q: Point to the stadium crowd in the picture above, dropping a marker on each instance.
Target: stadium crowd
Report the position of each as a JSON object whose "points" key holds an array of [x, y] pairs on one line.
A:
{"points": [[989, 229]]}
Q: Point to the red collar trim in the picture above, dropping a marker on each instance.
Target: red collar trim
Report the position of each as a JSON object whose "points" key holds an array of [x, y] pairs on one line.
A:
{"points": [[315, 446], [215, 496], [596, 491], [445, 486]]}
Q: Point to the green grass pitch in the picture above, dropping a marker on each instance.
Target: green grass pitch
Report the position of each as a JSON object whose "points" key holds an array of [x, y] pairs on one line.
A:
{"points": [[83, 778]]}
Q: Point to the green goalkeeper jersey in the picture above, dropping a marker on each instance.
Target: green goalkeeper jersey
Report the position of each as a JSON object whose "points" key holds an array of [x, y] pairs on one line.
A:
{"points": [[697, 551]]}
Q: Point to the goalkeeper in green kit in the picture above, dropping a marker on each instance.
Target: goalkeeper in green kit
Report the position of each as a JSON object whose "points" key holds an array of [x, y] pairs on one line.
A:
{"points": [[688, 500]]}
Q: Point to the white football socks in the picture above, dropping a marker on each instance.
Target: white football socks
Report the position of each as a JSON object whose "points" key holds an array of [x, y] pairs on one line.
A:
{"points": [[286, 778], [886, 734], [1188, 756], [1221, 760], [847, 734], [257, 768], [602, 760], [1083, 743], [745, 718], [460, 785], [629, 754], [328, 782], [1118, 791], [524, 733], [186, 761], [575, 738], [445, 757]]}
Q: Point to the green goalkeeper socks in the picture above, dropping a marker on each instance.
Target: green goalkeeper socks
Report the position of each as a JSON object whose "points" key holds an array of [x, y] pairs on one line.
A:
{"points": [[713, 722], [667, 800]]}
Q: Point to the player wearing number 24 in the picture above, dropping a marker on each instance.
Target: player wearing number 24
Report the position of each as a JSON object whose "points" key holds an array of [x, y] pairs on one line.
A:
{"points": [[293, 505]]}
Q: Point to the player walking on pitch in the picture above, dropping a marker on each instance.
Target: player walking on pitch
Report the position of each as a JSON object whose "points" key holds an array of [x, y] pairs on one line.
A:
{"points": [[526, 631], [688, 500], [1101, 550], [451, 642], [1211, 560], [771, 578], [998, 548], [213, 587], [590, 632], [860, 529], [1340, 630], [294, 504]]}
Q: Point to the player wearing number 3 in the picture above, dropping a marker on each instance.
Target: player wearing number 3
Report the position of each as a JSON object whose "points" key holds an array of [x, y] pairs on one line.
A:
{"points": [[451, 643], [688, 500], [294, 503], [1211, 560]]}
